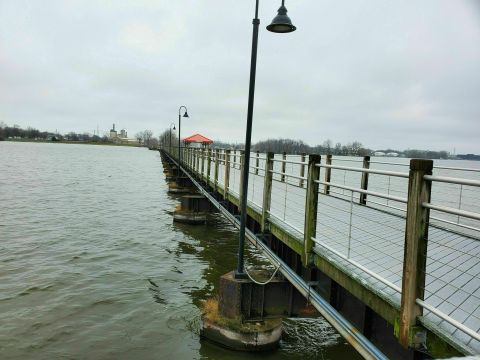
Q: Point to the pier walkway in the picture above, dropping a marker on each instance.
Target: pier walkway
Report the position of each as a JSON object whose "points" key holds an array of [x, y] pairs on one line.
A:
{"points": [[401, 238]]}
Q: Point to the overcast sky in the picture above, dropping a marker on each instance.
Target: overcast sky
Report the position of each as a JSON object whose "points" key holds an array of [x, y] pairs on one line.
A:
{"points": [[399, 74]]}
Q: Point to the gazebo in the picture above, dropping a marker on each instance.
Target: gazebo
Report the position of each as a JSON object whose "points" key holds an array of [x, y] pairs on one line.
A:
{"points": [[197, 139]]}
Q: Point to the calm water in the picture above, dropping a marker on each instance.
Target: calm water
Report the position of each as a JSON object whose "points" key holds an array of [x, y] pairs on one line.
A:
{"points": [[92, 267]]}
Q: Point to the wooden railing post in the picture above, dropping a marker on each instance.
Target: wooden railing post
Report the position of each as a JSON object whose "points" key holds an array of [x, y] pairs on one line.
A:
{"points": [[302, 169], [209, 164], [311, 206], [217, 154], [267, 190], [192, 162], [202, 167], [415, 249], [284, 166], [240, 187], [364, 183], [328, 174], [257, 162], [197, 160], [227, 174]]}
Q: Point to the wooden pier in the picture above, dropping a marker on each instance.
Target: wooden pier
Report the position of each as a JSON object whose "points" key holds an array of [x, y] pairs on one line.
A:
{"points": [[399, 260]]}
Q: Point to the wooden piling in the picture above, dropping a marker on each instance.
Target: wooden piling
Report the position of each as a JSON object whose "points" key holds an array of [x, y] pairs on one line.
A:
{"points": [[311, 206], [227, 174], [257, 162], [284, 166], [267, 190], [203, 164], [302, 169], [209, 164], [217, 155], [328, 174], [364, 181], [240, 187], [198, 160], [415, 250]]}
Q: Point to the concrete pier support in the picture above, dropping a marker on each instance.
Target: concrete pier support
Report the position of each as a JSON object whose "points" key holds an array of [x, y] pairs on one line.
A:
{"points": [[248, 316], [181, 185], [193, 209]]}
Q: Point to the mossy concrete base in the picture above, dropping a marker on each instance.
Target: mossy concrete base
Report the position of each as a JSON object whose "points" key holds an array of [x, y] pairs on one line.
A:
{"points": [[236, 339], [189, 217], [173, 188]]}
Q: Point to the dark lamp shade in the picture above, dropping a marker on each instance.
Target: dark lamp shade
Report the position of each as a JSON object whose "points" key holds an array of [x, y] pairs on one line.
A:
{"points": [[281, 23]]}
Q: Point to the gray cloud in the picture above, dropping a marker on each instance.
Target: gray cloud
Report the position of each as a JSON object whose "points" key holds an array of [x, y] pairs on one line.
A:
{"points": [[389, 74]]}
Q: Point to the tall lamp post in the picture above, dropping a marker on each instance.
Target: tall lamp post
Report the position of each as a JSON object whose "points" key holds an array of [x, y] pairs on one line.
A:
{"points": [[179, 127], [170, 143], [280, 24]]}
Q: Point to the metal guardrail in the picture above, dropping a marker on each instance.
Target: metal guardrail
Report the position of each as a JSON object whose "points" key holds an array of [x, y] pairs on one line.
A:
{"points": [[344, 327], [352, 216]]}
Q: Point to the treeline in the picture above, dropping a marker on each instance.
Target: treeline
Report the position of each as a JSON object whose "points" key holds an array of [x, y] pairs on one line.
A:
{"points": [[16, 132], [291, 146], [468, 157], [354, 148], [425, 154]]}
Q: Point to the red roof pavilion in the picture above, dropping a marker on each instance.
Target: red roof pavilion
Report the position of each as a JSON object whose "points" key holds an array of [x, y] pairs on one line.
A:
{"points": [[197, 138]]}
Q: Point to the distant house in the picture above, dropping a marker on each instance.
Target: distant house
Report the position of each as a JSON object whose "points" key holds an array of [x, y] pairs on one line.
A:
{"points": [[392, 154], [379, 153]]}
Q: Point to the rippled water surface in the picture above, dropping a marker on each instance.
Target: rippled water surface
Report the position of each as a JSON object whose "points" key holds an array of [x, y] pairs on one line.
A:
{"points": [[92, 267]]}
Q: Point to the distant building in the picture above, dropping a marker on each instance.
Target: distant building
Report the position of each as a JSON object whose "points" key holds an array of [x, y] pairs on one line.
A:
{"points": [[122, 137], [392, 154], [197, 140], [379, 153], [113, 133]]}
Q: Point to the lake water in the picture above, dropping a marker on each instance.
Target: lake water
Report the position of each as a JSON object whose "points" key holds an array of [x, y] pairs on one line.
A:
{"points": [[92, 266]]}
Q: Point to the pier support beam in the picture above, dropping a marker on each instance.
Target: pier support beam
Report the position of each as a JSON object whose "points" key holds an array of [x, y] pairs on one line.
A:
{"points": [[181, 185], [248, 316], [193, 209]]}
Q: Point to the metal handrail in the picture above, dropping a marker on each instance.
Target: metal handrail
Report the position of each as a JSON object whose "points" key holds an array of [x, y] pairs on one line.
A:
{"points": [[288, 175], [450, 210], [362, 191], [388, 163], [456, 168], [365, 170], [290, 161], [448, 319], [452, 180], [347, 160]]}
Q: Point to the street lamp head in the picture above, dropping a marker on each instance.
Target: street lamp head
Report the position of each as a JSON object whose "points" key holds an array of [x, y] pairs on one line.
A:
{"points": [[174, 127], [186, 114], [281, 23]]}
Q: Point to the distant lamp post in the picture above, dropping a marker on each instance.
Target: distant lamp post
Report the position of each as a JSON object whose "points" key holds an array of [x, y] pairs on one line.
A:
{"points": [[170, 143], [179, 127], [280, 24]]}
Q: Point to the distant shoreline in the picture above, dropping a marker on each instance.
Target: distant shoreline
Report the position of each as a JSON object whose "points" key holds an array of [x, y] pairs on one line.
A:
{"points": [[71, 142]]}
